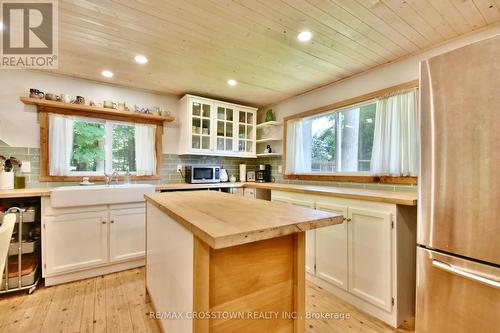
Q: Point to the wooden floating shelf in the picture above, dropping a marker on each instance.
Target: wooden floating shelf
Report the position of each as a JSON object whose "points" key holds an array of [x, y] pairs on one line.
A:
{"points": [[88, 111], [268, 123], [267, 140], [268, 154]]}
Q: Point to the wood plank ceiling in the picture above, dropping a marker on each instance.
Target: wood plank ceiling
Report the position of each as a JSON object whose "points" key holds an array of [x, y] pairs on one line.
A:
{"points": [[195, 46]]}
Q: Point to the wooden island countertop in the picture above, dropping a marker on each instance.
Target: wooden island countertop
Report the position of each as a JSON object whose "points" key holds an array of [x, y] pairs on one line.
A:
{"points": [[210, 252], [222, 220]]}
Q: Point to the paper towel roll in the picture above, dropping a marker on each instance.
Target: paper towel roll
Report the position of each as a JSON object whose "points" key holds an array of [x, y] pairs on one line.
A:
{"points": [[243, 172], [6, 180]]}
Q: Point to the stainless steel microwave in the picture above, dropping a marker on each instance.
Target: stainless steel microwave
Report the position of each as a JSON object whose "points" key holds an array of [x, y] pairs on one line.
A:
{"points": [[199, 174]]}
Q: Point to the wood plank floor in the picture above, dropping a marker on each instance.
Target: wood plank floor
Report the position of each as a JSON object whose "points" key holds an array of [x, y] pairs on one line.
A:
{"points": [[116, 303]]}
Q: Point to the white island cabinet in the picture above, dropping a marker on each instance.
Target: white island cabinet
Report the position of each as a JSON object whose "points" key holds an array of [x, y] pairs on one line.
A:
{"points": [[369, 259], [216, 128], [81, 242]]}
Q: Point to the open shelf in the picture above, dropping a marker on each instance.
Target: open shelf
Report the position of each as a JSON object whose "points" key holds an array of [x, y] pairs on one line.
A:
{"points": [[268, 123], [268, 154], [67, 108], [267, 140]]}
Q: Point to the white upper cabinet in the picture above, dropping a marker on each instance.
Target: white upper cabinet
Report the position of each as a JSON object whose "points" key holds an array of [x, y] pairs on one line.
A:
{"points": [[246, 131], [225, 126], [211, 127], [200, 114]]}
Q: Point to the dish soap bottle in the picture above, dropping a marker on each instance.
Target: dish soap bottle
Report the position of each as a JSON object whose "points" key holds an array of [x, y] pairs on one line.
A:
{"points": [[19, 179]]}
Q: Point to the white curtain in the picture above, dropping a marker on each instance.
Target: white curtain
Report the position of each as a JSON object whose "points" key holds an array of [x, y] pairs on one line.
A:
{"points": [[298, 146], [60, 144], [395, 142], [145, 152]]}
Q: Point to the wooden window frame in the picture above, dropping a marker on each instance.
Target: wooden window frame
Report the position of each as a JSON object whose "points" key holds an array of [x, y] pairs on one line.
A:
{"points": [[44, 142], [338, 105]]}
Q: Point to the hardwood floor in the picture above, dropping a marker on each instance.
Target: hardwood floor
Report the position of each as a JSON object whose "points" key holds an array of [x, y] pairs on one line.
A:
{"points": [[318, 300], [116, 303]]}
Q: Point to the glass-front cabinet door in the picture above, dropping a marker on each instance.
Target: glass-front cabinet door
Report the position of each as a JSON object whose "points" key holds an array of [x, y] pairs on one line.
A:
{"points": [[225, 128], [201, 125], [216, 128], [246, 132]]}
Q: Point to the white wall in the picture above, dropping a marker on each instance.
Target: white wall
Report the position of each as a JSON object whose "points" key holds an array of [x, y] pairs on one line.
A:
{"points": [[19, 126], [382, 77]]}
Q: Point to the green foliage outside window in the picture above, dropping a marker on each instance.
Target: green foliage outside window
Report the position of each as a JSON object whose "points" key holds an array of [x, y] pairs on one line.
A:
{"points": [[88, 145], [323, 143], [124, 148], [89, 141]]}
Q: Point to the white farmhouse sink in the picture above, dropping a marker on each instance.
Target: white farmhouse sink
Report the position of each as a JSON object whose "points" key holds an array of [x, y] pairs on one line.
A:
{"points": [[71, 196]]}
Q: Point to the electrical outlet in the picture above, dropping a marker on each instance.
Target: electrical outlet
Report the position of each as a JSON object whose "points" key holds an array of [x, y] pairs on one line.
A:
{"points": [[26, 166], [179, 168], [280, 168]]}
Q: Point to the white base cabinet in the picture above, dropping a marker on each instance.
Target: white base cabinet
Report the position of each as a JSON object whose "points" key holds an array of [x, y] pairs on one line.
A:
{"points": [[74, 241], [370, 255], [89, 241], [331, 248], [369, 259], [127, 233]]}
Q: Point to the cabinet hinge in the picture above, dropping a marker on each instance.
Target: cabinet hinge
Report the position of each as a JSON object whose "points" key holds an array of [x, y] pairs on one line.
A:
{"points": [[392, 301], [392, 224], [44, 225], [44, 265]]}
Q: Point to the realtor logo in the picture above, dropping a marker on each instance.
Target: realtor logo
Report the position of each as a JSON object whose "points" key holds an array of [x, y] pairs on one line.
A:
{"points": [[29, 34]]}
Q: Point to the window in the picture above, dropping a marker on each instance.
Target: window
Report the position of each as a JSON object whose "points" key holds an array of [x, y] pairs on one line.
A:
{"points": [[80, 147], [123, 148], [342, 141], [90, 145], [337, 141], [377, 136]]}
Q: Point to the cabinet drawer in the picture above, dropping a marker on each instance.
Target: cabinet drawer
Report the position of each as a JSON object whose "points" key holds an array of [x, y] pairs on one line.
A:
{"points": [[48, 210]]}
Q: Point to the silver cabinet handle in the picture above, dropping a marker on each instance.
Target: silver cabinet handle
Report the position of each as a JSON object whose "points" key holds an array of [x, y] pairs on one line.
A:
{"points": [[449, 268]]}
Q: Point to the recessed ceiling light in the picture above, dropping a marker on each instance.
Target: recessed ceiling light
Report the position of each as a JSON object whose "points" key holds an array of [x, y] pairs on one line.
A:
{"points": [[140, 59], [304, 36], [108, 74], [231, 82]]}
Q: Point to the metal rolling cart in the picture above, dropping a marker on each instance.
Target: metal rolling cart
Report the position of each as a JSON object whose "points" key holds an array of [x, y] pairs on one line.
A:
{"points": [[18, 256]]}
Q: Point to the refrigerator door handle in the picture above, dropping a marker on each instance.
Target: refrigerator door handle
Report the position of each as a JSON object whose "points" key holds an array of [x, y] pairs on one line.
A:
{"points": [[476, 277]]}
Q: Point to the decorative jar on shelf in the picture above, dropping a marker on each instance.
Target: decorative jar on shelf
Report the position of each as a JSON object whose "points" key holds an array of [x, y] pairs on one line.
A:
{"points": [[269, 115]]}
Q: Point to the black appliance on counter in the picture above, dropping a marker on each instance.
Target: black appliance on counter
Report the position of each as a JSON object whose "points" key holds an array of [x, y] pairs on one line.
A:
{"points": [[263, 173]]}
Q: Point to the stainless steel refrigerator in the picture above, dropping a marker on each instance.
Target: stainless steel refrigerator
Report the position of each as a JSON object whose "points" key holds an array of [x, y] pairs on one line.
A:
{"points": [[458, 253]]}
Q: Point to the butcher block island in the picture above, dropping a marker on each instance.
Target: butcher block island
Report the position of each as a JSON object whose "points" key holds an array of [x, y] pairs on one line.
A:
{"points": [[245, 258]]}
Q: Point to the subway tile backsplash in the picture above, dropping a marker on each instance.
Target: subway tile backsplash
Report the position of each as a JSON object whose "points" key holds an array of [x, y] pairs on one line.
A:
{"points": [[169, 169]]}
